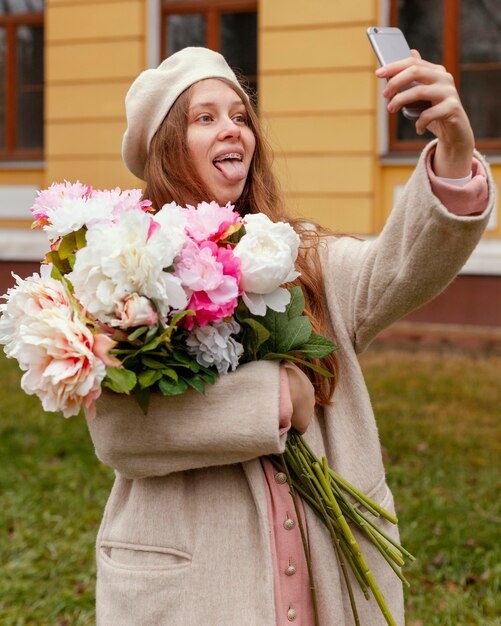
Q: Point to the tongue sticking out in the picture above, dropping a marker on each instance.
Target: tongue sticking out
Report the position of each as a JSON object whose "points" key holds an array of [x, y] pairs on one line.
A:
{"points": [[232, 169]]}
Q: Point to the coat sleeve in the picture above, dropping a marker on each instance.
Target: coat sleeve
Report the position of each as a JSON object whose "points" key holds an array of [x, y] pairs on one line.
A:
{"points": [[371, 284], [236, 420]]}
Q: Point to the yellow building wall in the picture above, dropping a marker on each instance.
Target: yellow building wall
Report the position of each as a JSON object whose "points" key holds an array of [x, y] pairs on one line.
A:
{"points": [[94, 50], [317, 98]]}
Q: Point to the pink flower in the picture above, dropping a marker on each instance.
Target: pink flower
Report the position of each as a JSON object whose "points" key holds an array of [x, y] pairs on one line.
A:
{"points": [[123, 200], [135, 310], [211, 274], [25, 301], [49, 199], [62, 367], [209, 221]]}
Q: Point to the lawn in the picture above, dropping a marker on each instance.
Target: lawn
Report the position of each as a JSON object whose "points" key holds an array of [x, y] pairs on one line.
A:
{"points": [[439, 424]]}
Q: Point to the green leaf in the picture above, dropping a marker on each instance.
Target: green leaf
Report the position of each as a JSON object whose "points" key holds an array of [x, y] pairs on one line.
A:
{"points": [[67, 246], [197, 383], [260, 333], [168, 371], [296, 306], [137, 333], [119, 379], [143, 398], [80, 237], [151, 363], [317, 347], [61, 264], [151, 345], [55, 273], [71, 259], [149, 378], [170, 388], [298, 333], [181, 357], [209, 376]]}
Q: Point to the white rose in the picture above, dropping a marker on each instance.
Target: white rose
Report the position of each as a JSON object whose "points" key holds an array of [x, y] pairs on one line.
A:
{"points": [[267, 253]]}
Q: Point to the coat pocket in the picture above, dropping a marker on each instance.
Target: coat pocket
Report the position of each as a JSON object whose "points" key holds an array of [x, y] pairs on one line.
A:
{"points": [[137, 557]]}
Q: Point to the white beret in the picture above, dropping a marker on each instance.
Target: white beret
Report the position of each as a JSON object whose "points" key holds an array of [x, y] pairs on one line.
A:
{"points": [[153, 93]]}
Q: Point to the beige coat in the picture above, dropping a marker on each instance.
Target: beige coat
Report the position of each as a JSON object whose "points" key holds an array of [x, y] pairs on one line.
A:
{"points": [[185, 536]]}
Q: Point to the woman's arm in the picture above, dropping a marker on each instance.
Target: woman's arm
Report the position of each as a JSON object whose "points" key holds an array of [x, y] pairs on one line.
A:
{"points": [[236, 420], [422, 247], [425, 242]]}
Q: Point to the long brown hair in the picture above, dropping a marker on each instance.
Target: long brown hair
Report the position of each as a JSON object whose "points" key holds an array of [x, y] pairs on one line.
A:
{"points": [[171, 176]]}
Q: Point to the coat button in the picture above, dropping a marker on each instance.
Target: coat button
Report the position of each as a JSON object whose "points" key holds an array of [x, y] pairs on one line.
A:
{"points": [[289, 524], [280, 478], [290, 571], [291, 614]]}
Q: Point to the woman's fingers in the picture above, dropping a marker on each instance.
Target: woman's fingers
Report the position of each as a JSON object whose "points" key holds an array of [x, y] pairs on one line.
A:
{"points": [[433, 93], [391, 69], [413, 79], [302, 397], [417, 75]]}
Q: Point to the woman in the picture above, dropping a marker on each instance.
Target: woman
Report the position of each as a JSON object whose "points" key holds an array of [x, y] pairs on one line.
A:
{"points": [[199, 527]]}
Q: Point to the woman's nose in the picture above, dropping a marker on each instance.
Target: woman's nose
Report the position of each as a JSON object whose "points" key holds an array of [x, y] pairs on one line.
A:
{"points": [[229, 130]]}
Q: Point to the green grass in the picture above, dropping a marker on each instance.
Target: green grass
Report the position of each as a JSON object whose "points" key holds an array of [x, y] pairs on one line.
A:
{"points": [[438, 415], [52, 491], [439, 425]]}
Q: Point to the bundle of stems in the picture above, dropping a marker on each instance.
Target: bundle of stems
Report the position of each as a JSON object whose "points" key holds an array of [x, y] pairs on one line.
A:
{"points": [[335, 501]]}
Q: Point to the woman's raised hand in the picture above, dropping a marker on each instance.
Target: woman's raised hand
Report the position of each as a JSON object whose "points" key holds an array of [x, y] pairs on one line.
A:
{"points": [[445, 118], [302, 395]]}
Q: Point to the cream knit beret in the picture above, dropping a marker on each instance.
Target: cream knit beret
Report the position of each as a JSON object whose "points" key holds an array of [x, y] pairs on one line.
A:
{"points": [[153, 93]]}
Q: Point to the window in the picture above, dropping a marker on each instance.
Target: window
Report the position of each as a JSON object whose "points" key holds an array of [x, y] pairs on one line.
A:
{"points": [[465, 36], [21, 79], [227, 26]]}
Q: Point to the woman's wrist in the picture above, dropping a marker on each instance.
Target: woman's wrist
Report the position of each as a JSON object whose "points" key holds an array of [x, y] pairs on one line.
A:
{"points": [[452, 161]]}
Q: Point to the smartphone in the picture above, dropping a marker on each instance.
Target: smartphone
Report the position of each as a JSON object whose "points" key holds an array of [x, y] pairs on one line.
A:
{"points": [[390, 45]]}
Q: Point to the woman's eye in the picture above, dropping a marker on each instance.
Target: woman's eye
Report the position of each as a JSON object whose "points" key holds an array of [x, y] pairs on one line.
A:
{"points": [[204, 118], [240, 119]]}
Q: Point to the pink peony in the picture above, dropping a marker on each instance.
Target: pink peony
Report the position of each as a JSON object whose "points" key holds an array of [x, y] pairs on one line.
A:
{"points": [[211, 274], [25, 301], [209, 221], [63, 370], [49, 199], [123, 200]]}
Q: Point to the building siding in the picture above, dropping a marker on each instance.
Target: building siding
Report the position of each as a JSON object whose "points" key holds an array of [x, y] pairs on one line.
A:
{"points": [[319, 101], [93, 52]]}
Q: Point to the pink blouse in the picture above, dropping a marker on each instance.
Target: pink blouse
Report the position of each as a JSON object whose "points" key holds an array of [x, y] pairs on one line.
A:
{"points": [[292, 593]]}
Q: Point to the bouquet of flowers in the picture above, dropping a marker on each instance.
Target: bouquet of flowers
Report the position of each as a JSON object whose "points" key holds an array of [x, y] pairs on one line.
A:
{"points": [[140, 301]]}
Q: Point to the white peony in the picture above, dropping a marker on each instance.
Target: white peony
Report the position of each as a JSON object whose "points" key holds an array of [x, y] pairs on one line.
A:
{"points": [[73, 213], [127, 257], [172, 218], [213, 345], [268, 252]]}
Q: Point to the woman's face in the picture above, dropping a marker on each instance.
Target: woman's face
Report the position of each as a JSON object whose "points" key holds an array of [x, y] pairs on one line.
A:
{"points": [[220, 142]]}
